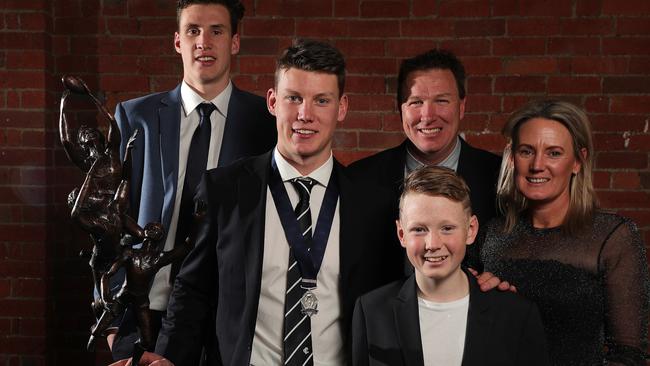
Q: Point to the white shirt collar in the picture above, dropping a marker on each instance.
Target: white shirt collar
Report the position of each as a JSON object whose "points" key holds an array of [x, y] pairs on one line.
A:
{"points": [[190, 99], [451, 161], [287, 171]]}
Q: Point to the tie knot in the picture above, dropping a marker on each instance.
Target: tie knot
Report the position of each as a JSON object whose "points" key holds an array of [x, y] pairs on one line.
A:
{"points": [[205, 109], [303, 185]]}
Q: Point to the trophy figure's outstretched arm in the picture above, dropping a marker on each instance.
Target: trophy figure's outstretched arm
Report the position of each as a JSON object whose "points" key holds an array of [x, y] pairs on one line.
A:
{"points": [[73, 84], [128, 158], [122, 194], [114, 138], [79, 86], [72, 150]]}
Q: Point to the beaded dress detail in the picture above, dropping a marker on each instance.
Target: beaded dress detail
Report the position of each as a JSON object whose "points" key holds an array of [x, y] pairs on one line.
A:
{"points": [[592, 289]]}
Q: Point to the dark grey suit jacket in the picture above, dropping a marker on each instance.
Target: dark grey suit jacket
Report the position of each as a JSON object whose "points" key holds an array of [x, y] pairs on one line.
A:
{"points": [[219, 283], [250, 130], [479, 169], [502, 328]]}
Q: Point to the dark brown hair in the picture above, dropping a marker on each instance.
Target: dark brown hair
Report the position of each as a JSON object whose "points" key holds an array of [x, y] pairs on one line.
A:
{"points": [[433, 59], [235, 9], [312, 55]]}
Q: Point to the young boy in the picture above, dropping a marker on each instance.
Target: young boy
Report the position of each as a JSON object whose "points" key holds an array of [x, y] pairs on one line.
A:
{"points": [[438, 316]]}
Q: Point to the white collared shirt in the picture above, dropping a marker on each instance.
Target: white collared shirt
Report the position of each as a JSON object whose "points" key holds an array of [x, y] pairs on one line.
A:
{"points": [[161, 288], [326, 333], [451, 161]]}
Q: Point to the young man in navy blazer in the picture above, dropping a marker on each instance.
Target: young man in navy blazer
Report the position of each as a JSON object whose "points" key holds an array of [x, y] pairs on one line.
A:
{"points": [[438, 316], [236, 278], [207, 37]]}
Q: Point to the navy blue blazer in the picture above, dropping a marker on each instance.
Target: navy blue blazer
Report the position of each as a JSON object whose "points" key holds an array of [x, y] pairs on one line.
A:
{"points": [[219, 283], [249, 130], [503, 328]]}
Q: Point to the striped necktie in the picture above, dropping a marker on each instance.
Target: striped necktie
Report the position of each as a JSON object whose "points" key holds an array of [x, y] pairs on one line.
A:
{"points": [[297, 326]]}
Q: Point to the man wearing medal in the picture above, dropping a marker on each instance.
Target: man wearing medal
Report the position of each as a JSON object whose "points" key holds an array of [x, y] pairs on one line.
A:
{"points": [[290, 212]]}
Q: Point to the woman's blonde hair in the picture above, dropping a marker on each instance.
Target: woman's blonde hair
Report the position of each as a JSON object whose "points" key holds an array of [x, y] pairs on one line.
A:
{"points": [[583, 200]]}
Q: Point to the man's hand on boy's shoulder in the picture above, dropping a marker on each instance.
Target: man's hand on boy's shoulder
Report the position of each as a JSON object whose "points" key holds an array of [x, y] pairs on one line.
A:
{"points": [[487, 281]]}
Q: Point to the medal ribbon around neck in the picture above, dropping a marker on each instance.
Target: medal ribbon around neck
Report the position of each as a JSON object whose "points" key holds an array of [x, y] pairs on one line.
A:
{"points": [[308, 255]]}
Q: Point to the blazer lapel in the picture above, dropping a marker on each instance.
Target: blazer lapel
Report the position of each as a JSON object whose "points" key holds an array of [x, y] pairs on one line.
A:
{"points": [[229, 144], [251, 198], [169, 115], [479, 324], [349, 253], [395, 167], [407, 323], [464, 160], [468, 170]]}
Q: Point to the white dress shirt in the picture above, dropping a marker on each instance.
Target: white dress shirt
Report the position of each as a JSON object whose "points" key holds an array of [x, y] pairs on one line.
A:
{"points": [[161, 288], [451, 161], [326, 333]]}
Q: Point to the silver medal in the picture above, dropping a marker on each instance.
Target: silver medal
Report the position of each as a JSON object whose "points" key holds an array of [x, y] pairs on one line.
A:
{"points": [[309, 303]]}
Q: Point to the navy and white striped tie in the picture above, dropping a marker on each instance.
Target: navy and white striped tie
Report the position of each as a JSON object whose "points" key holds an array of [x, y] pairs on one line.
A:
{"points": [[297, 326]]}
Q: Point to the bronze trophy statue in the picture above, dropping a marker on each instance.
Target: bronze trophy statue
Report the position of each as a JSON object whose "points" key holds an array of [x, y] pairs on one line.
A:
{"points": [[141, 265], [100, 206]]}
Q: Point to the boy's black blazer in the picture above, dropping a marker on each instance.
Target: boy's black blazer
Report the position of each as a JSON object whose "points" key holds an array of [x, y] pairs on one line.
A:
{"points": [[502, 328]]}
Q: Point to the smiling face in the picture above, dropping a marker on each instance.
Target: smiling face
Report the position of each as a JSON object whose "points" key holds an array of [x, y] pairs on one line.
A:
{"points": [[435, 231], [544, 162], [307, 107], [431, 113], [206, 43]]}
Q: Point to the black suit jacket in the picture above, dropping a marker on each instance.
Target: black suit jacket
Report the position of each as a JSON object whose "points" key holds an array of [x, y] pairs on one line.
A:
{"points": [[249, 130], [479, 169], [221, 277], [502, 328]]}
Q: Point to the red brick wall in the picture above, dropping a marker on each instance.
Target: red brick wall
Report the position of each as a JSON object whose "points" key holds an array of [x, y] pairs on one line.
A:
{"points": [[25, 156], [595, 53]]}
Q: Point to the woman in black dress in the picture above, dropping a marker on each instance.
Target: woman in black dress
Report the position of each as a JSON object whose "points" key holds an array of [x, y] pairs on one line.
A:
{"points": [[585, 268]]}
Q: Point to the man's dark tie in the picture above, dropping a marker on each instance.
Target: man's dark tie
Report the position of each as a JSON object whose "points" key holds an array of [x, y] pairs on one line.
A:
{"points": [[197, 160], [297, 326]]}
